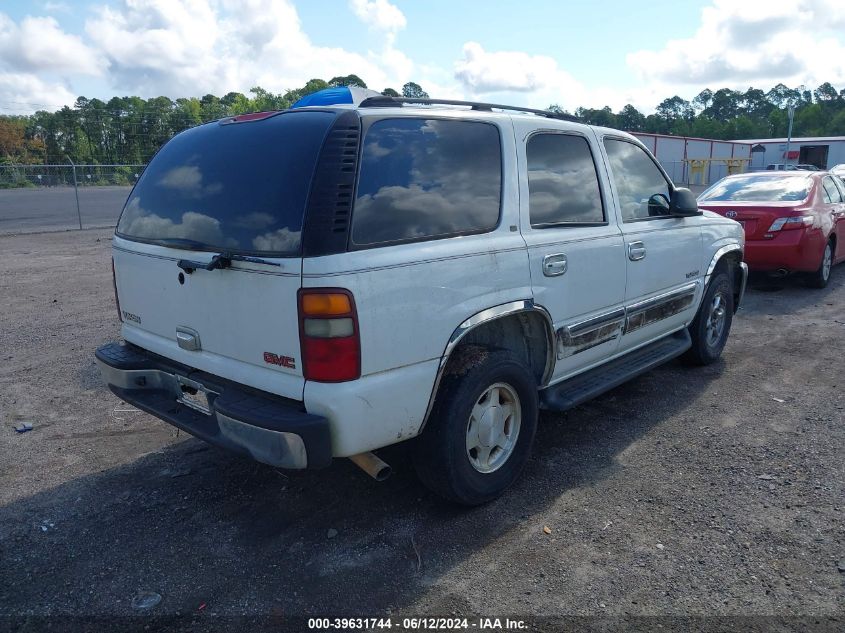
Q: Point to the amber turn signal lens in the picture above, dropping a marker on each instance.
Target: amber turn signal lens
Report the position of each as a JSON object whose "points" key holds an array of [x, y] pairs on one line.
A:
{"points": [[325, 304]]}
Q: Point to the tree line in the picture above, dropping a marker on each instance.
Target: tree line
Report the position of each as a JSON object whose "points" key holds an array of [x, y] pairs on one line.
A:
{"points": [[733, 114], [129, 130]]}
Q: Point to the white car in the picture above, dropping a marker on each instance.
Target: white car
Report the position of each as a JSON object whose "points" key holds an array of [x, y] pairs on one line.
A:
{"points": [[322, 282], [838, 170]]}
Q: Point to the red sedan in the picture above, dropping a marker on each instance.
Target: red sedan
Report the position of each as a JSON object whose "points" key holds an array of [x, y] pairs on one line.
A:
{"points": [[794, 221]]}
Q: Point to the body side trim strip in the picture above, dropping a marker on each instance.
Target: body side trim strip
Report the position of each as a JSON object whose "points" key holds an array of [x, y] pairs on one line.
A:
{"points": [[660, 307], [579, 337]]}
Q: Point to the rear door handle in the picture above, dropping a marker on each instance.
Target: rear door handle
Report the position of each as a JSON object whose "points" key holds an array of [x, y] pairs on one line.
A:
{"points": [[636, 251], [554, 265]]}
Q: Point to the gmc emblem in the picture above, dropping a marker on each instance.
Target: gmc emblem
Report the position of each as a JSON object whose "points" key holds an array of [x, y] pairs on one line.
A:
{"points": [[281, 361]]}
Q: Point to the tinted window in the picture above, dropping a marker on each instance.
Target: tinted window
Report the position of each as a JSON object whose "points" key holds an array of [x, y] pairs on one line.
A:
{"points": [[562, 181], [759, 188], [237, 186], [425, 178], [637, 179], [831, 193]]}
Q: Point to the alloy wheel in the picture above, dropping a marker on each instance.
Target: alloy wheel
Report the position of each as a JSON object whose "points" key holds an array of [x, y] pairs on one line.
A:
{"points": [[493, 427]]}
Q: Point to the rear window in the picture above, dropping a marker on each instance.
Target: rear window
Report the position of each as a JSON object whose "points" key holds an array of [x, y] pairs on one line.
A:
{"points": [[238, 187], [425, 179], [751, 188]]}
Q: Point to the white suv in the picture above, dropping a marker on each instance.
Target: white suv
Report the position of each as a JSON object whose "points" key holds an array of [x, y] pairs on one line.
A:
{"points": [[322, 282]]}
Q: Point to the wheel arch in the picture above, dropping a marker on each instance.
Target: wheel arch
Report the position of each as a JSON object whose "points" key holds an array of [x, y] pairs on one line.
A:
{"points": [[521, 326], [728, 258]]}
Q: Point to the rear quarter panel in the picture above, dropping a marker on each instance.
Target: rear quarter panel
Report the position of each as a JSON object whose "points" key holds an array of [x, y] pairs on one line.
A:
{"points": [[410, 298]]}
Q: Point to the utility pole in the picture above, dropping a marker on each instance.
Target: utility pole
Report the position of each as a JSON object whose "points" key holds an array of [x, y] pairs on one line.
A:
{"points": [[76, 190], [791, 112]]}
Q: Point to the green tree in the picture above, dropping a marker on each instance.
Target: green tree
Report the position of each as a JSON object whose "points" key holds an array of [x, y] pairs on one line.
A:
{"points": [[630, 119], [413, 90], [348, 80], [725, 104], [703, 100]]}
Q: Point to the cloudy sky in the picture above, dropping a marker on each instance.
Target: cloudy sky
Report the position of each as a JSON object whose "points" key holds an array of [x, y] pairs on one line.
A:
{"points": [[529, 53]]}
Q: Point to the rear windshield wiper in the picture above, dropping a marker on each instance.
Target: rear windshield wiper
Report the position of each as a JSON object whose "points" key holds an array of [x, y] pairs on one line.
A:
{"points": [[223, 260]]}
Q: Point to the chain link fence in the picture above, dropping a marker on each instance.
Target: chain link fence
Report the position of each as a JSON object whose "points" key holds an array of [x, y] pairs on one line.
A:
{"points": [[22, 176], [61, 197]]}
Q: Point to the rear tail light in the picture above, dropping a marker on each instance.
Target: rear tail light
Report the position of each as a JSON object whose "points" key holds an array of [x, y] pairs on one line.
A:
{"points": [[114, 286], [328, 331], [792, 223]]}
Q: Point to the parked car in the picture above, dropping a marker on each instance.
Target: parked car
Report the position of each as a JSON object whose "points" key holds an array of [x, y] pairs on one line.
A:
{"points": [[838, 170], [792, 221], [791, 167], [322, 282]]}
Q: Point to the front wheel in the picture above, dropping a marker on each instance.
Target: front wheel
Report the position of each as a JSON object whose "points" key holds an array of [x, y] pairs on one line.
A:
{"points": [[709, 331], [820, 278], [481, 429]]}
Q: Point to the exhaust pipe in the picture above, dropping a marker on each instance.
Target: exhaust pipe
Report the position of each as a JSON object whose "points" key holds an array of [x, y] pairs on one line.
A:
{"points": [[372, 465], [780, 272]]}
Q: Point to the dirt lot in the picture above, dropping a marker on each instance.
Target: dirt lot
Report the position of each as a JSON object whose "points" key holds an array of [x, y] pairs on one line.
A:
{"points": [[715, 491]]}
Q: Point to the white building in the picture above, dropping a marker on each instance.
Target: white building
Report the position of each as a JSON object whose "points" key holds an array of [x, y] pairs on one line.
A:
{"points": [[822, 151], [675, 153]]}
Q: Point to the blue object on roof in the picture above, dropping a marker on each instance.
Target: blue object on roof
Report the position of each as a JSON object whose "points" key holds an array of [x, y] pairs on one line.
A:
{"points": [[335, 96]]}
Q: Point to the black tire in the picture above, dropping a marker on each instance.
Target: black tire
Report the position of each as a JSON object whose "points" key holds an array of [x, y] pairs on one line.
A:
{"points": [[821, 277], [706, 345], [440, 455]]}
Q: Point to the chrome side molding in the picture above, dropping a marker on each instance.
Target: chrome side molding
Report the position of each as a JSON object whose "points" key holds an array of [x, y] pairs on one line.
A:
{"points": [[584, 335], [660, 307]]}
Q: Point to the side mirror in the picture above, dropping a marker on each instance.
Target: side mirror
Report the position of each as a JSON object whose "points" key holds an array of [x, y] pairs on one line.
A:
{"points": [[683, 203], [658, 205]]}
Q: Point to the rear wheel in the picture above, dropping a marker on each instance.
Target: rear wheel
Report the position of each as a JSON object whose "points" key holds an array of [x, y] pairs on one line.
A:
{"points": [[820, 278], [479, 436], [709, 331]]}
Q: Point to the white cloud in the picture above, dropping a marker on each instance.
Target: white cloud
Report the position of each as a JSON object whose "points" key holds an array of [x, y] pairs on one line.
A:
{"points": [[38, 44], [37, 59], [379, 14], [21, 93], [56, 7], [193, 47], [754, 42], [158, 46], [517, 77], [482, 72]]}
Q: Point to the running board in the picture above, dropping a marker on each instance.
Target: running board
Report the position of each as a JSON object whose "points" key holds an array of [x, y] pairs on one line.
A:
{"points": [[578, 389]]}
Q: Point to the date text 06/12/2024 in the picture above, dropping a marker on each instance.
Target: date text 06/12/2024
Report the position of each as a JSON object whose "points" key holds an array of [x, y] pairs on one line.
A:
{"points": [[413, 624]]}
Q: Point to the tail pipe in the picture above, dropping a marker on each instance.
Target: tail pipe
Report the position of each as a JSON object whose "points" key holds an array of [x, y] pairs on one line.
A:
{"points": [[372, 465]]}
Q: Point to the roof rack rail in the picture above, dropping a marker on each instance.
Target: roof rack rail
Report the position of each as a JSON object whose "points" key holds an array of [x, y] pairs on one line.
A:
{"points": [[387, 102]]}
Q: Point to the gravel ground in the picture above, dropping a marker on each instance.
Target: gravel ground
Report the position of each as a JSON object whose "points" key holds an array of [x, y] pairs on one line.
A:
{"points": [[715, 491]]}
